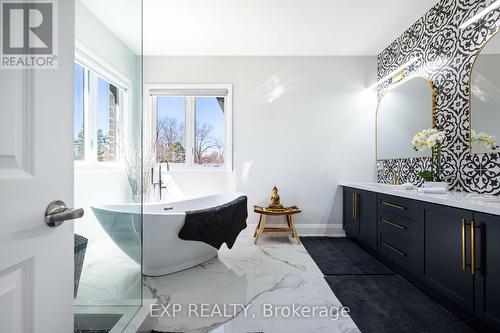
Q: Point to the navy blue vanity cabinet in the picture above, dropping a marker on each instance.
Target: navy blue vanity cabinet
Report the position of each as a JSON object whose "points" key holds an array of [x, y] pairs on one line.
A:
{"points": [[452, 254], [360, 216], [400, 238], [350, 218], [487, 268], [447, 255], [367, 206]]}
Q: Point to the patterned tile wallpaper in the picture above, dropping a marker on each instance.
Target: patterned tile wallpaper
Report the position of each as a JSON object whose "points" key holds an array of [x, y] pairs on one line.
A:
{"points": [[446, 54]]}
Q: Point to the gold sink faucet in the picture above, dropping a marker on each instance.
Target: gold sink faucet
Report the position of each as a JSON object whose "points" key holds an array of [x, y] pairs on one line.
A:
{"points": [[394, 180]]}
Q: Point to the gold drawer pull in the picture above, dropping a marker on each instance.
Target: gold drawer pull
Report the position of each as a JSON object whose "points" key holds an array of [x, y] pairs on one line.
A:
{"points": [[395, 225], [392, 205], [353, 208], [472, 248], [392, 248], [464, 265], [354, 205]]}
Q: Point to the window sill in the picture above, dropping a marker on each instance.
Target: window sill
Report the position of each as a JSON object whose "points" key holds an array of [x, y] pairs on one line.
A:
{"points": [[198, 170], [98, 166]]}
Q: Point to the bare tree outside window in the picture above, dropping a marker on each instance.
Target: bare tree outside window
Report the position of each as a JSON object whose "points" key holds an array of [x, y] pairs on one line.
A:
{"points": [[171, 129], [208, 149], [170, 140], [209, 134], [206, 121]]}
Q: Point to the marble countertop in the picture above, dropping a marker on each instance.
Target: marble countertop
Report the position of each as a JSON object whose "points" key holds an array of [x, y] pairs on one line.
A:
{"points": [[483, 203]]}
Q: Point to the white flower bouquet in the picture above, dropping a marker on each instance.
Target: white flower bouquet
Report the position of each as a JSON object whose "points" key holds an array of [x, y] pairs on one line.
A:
{"points": [[485, 139], [432, 139]]}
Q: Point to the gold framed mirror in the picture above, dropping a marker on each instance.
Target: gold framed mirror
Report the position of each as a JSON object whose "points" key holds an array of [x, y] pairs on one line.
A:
{"points": [[484, 98], [403, 111]]}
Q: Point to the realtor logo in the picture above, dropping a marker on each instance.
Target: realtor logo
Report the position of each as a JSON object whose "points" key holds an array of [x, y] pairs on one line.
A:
{"points": [[29, 34]]}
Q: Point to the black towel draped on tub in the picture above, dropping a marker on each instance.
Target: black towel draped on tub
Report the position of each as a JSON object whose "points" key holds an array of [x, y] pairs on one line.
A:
{"points": [[218, 225]]}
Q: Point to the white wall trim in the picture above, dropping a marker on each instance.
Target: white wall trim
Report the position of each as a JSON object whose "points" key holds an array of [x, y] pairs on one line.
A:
{"points": [[90, 59], [313, 230], [328, 230]]}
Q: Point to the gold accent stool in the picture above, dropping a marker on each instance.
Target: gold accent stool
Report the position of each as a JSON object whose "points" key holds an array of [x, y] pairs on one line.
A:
{"points": [[288, 212]]}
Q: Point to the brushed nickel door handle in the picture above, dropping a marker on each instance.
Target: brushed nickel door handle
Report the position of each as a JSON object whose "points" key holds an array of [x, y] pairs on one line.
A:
{"points": [[57, 212]]}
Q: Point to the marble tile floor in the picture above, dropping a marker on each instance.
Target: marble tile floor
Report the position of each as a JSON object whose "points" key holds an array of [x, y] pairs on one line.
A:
{"points": [[111, 278], [256, 285]]}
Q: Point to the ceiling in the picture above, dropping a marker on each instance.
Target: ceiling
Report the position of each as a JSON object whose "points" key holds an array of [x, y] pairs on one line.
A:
{"points": [[260, 27]]}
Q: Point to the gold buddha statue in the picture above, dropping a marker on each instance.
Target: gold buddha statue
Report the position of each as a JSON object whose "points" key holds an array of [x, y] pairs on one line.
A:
{"points": [[275, 200]]}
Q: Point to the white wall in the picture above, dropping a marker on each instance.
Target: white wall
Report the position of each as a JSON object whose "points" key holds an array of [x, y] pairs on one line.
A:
{"points": [[301, 123], [97, 184], [94, 35], [97, 37], [104, 185]]}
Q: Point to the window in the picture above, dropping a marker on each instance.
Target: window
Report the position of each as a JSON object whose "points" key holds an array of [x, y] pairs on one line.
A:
{"points": [[209, 131], [107, 108], [79, 126], [192, 125], [97, 110], [171, 130]]}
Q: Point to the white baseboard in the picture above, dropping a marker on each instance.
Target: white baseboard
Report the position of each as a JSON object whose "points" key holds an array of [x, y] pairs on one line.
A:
{"points": [[324, 230], [313, 230]]}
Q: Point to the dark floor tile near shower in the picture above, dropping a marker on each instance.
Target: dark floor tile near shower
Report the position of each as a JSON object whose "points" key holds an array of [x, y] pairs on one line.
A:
{"points": [[341, 256], [386, 304], [95, 322]]}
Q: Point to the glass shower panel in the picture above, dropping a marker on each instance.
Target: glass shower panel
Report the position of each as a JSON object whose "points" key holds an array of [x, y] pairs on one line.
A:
{"points": [[108, 164]]}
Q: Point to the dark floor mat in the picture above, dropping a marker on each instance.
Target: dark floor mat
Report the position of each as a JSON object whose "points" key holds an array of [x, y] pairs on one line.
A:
{"points": [[341, 256], [390, 304]]}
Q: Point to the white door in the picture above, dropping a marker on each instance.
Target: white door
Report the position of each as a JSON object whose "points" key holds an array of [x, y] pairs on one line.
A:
{"points": [[36, 167]]}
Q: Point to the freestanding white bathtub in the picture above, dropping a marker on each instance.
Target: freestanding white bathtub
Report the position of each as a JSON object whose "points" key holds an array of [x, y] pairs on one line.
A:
{"points": [[163, 252]]}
